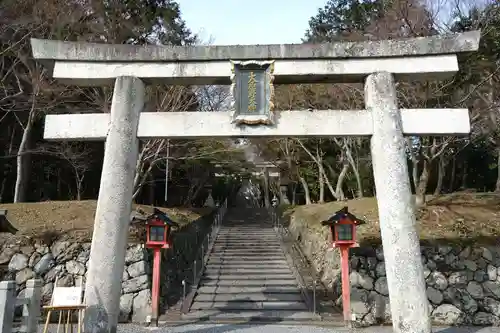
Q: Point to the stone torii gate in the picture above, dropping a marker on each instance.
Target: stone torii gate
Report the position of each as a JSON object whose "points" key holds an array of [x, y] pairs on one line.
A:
{"points": [[251, 70]]}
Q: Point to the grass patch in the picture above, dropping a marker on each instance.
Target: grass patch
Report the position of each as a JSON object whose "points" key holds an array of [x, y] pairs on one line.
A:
{"points": [[461, 217], [74, 219]]}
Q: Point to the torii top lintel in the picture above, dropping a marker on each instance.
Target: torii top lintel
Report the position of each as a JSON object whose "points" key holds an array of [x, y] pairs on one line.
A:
{"points": [[407, 59], [73, 51]]}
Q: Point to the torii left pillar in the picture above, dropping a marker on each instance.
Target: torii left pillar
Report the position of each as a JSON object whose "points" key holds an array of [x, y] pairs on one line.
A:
{"points": [[112, 217]]}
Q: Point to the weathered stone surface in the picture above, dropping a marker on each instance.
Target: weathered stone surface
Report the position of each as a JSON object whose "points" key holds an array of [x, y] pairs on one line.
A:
{"points": [[486, 254], [475, 290], [47, 292], [6, 255], [136, 269], [381, 286], [483, 319], [493, 288], [74, 267], [134, 254], [380, 307], [44, 264], [34, 258], [492, 305], [492, 272], [24, 275], [480, 276], [73, 51], [125, 275], [58, 247], [470, 265], [66, 281], [379, 252], [18, 262], [380, 269], [126, 301], [361, 280], [136, 284], [438, 280], [141, 306], [434, 295], [447, 314], [54, 273], [458, 278], [359, 301]]}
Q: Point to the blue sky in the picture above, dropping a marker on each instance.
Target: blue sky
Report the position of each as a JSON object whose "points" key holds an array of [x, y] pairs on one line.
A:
{"points": [[249, 22]]}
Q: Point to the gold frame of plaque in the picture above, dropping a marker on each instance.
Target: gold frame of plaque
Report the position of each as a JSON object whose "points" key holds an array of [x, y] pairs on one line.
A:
{"points": [[252, 99]]}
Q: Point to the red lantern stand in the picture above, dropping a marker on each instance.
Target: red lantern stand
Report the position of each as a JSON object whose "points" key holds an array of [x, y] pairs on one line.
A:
{"points": [[343, 229], [157, 233]]}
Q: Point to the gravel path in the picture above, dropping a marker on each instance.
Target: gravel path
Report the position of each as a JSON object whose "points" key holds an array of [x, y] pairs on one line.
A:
{"points": [[272, 328]]}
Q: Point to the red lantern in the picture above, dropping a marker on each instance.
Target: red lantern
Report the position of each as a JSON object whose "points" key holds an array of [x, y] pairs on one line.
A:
{"points": [[343, 229], [157, 234], [157, 237]]}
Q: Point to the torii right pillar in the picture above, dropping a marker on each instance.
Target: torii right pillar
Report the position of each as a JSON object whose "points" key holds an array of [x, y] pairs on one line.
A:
{"points": [[403, 264]]}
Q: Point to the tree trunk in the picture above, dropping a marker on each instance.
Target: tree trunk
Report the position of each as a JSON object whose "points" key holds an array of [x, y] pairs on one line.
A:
{"points": [[497, 186], [463, 181], [267, 201], [421, 189], [354, 167], [451, 185], [440, 175], [79, 183], [294, 193], [23, 162], [321, 184], [7, 166], [340, 181], [306, 189], [328, 183]]}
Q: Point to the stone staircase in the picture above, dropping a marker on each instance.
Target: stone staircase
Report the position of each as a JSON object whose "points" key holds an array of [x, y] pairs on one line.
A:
{"points": [[248, 276]]}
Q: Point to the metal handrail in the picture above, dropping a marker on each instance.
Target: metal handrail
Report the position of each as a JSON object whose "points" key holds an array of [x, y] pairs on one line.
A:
{"points": [[284, 233], [200, 257]]}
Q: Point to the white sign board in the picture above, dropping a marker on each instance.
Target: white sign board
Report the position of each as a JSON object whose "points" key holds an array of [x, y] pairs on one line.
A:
{"points": [[67, 296]]}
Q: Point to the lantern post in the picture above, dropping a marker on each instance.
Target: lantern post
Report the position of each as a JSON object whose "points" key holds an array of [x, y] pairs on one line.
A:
{"points": [[343, 229], [158, 229]]}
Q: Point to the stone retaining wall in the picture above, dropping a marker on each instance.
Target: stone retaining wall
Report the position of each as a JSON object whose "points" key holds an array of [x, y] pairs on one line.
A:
{"points": [[68, 261], [463, 282]]}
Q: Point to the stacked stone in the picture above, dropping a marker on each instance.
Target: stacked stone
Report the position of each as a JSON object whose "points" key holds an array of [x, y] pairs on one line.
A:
{"points": [[463, 285], [68, 261]]}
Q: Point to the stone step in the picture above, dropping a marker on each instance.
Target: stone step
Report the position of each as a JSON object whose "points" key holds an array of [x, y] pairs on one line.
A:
{"points": [[249, 239], [229, 250], [248, 260], [258, 257], [240, 254], [248, 305], [245, 266], [241, 277], [248, 283], [248, 263], [258, 246], [242, 245], [254, 297], [248, 316], [246, 271], [223, 290]]}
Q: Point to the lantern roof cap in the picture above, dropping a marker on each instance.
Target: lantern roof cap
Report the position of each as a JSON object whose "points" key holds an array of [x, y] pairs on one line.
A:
{"points": [[164, 218], [5, 224], [341, 215]]}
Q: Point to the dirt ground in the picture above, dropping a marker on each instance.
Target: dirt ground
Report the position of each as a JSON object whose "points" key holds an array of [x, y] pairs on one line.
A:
{"points": [[73, 219], [458, 217]]}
